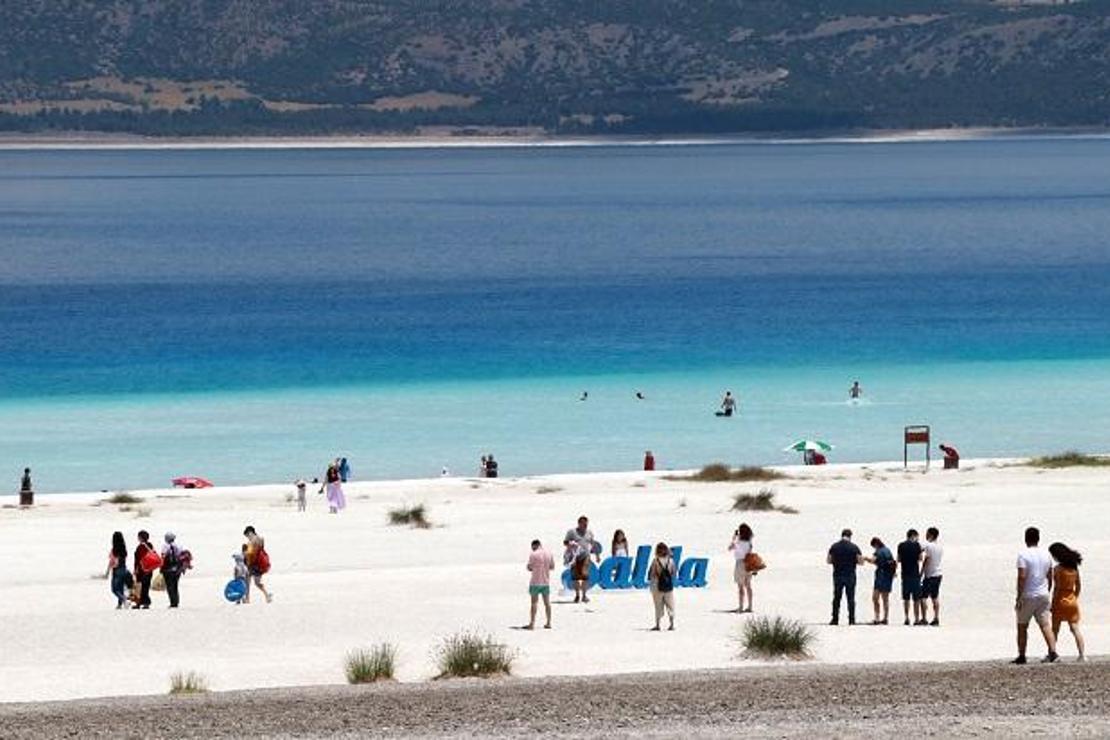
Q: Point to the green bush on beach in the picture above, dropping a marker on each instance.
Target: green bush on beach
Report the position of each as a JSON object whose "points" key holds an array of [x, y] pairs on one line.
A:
{"points": [[762, 501], [188, 682], [414, 516], [375, 664], [777, 637], [721, 473], [1070, 459], [469, 654]]}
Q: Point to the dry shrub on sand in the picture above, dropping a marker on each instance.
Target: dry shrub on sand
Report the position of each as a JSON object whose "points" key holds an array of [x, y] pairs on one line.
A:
{"points": [[413, 516], [721, 473], [777, 637], [188, 682], [375, 664], [469, 654], [762, 501], [123, 497], [1070, 459]]}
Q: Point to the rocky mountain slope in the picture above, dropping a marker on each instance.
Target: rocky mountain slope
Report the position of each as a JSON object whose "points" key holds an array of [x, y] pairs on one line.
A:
{"points": [[579, 66]]}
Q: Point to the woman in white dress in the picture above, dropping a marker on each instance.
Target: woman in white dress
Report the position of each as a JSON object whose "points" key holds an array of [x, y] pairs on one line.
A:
{"points": [[742, 545]]}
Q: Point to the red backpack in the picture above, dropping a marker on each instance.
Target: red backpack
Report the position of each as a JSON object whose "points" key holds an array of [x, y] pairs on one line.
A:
{"points": [[262, 561]]}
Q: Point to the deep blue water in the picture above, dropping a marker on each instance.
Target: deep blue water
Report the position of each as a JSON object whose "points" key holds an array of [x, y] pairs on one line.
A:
{"points": [[143, 279]]}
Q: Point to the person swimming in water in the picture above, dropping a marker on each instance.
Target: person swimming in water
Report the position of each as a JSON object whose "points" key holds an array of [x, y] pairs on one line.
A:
{"points": [[585, 395], [728, 405], [639, 396], [855, 392]]}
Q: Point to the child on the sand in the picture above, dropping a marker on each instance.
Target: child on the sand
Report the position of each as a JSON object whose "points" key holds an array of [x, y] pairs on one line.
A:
{"points": [[241, 573], [540, 565]]}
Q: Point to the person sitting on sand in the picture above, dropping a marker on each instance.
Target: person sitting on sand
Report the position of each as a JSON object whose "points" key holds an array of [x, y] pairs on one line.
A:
{"points": [[661, 576], [258, 562], [1034, 576], [540, 565], [583, 539], [620, 545], [142, 576], [117, 568], [909, 561], [1065, 592], [740, 546], [885, 568], [844, 556]]}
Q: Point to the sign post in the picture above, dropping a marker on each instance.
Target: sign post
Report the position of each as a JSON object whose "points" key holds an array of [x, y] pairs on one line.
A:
{"points": [[915, 435]]}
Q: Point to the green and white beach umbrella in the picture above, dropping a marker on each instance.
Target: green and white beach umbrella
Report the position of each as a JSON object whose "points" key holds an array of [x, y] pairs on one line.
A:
{"points": [[809, 444]]}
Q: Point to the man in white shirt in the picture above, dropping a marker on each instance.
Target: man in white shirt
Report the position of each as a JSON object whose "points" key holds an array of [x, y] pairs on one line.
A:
{"points": [[931, 575], [1034, 580]]}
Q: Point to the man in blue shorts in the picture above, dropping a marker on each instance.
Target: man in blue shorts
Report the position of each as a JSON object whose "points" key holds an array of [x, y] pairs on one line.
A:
{"points": [[909, 563]]}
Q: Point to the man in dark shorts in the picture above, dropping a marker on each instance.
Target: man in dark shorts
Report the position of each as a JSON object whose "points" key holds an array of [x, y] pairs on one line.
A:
{"points": [[909, 564], [580, 568], [931, 576], [844, 556]]}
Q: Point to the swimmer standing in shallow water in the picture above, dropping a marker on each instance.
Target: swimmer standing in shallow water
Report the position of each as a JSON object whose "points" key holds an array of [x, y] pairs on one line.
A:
{"points": [[728, 405], [855, 392]]}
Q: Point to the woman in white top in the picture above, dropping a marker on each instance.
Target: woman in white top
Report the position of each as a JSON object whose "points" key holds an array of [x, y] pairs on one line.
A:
{"points": [[620, 544], [740, 547]]}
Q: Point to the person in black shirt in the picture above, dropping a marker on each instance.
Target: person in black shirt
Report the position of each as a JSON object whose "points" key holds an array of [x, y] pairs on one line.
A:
{"points": [[909, 563], [844, 556]]}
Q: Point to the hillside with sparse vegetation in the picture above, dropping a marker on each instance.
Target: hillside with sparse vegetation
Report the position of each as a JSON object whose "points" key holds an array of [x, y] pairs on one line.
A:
{"points": [[235, 67]]}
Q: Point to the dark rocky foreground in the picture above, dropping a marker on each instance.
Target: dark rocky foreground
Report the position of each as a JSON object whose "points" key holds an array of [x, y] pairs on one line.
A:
{"points": [[939, 700]]}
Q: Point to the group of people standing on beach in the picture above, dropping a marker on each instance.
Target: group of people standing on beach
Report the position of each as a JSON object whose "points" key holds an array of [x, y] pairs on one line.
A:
{"points": [[919, 567], [579, 546], [132, 587]]}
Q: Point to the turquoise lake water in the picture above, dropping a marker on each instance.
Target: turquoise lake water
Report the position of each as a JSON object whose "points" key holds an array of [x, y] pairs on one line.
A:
{"points": [[246, 315]]}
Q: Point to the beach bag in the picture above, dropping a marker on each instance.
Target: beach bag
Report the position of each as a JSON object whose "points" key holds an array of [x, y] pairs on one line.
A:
{"points": [[158, 583], [666, 579], [262, 561], [150, 561], [753, 563]]}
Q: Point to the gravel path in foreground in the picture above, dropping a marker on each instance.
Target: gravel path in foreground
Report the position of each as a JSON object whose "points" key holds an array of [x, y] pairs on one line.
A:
{"points": [[939, 700]]}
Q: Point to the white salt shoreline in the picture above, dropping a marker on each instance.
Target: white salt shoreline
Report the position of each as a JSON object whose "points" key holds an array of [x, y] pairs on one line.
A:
{"points": [[126, 142], [351, 580]]}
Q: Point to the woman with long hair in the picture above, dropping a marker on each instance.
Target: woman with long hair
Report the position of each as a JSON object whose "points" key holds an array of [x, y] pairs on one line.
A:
{"points": [[661, 575], [1066, 586], [117, 568], [620, 544], [742, 545]]}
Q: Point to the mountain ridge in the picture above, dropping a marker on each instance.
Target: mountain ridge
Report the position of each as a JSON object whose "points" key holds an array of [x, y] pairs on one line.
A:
{"points": [[235, 67]]}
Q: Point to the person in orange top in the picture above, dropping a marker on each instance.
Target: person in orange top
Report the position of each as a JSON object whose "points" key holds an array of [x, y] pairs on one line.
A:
{"points": [[1065, 591]]}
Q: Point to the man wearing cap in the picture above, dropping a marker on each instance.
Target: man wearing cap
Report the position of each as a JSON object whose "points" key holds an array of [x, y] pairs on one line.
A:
{"points": [[844, 556]]}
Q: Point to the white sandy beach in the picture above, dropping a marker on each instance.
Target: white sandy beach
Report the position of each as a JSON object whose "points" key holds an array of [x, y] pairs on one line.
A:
{"points": [[348, 581]]}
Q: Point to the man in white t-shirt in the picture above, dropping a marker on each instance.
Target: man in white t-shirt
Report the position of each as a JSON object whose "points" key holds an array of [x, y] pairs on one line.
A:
{"points": [[1034, 580], [931, 575]]}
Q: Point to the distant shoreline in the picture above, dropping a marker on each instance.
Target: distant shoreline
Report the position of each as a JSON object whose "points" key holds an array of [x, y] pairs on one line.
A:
{"points": [[85, 140]]}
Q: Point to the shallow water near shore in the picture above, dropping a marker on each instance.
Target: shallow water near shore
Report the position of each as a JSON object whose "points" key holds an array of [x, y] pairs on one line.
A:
{"points": [[246, 315]]}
